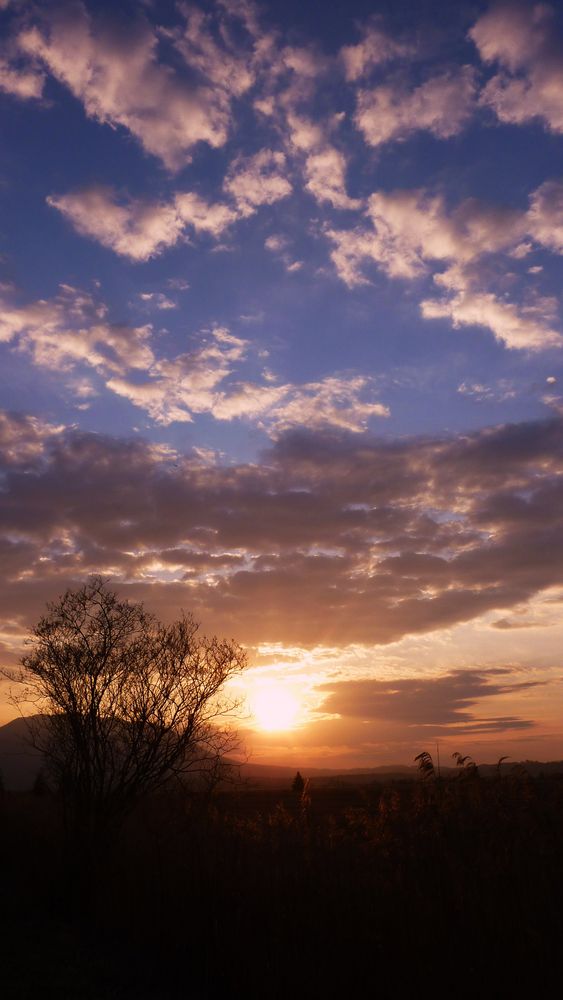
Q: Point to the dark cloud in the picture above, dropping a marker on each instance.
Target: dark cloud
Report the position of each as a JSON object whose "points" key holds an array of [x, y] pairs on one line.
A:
{"points": [[428, 701], [329, 538]]}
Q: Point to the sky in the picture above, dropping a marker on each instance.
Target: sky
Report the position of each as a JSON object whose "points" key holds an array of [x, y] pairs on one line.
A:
{"points": [[280, 345]]}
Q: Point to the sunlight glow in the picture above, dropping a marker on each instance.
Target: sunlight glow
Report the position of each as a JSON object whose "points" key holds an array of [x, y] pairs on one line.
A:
{"points": [[274, 708]]}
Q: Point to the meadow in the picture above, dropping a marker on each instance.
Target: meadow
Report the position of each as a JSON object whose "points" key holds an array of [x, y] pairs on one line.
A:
{"points": [[454, 884]]}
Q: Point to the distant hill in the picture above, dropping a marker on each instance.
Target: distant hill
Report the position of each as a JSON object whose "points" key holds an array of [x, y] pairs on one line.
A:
{"points": [[20, 762], [277, 776]]}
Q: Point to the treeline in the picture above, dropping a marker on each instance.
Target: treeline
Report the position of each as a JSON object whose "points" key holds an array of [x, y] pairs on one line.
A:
{"points": [[455, 883]]}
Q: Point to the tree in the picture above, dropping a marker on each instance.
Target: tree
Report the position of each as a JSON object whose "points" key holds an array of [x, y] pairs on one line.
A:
{"points": [[297, 785], [125, 701]]}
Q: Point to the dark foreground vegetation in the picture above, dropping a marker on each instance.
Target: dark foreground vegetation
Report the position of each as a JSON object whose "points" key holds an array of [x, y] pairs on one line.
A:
{"points": [[455, 885]]}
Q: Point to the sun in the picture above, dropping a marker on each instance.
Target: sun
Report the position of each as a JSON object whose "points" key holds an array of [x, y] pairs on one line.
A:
{"points": [[274, 708]]}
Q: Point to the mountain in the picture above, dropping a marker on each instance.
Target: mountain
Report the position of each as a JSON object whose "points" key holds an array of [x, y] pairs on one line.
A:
{"points": [[19, 761]]}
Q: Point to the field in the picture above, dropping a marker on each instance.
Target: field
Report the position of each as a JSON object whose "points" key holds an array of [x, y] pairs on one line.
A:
{"points": [[454, 883]]}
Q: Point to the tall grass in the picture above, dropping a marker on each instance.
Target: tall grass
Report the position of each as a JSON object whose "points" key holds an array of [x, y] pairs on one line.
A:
{"points": [[334, 893]]}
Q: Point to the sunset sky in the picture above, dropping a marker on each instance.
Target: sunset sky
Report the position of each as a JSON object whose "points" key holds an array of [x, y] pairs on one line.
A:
{"points": [[280, 345]]}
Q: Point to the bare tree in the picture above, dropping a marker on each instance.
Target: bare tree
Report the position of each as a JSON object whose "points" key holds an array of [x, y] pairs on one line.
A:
{"points": [[124, 701]]}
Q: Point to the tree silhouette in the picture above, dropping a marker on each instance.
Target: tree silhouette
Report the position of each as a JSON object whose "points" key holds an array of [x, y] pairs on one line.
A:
{"points": [[125, 701], [40, 784], [298, 784]]}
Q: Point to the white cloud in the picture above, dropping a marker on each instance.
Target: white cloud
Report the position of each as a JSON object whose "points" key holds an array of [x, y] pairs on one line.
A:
{"points": [[412, 228], [279, 245], [257, 180], [276, 243], [352, 248], [304, 61], [325, 173], [178, 284], [374, 49], [305, 135], [82, 388], [184, 385], [116, 74], [332, 402], [203, 217], [136, 228], [522, 39], [179, 390], [545, 216], [130, 227], [528, 327], [140, 229], [324, 165], [24, 83], [413, 232], [71, 330], [214, 55], [202, 382], [499, 392], [158, 300], [441, 105]]}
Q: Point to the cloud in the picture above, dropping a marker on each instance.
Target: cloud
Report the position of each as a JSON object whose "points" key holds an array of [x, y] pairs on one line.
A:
{"points": [[499, 392], [334, 538], [530, 327], [545, 215], [157, 300], [113, 68], [133, 228], [443, 701], [257, 180], [71, 330], [523, 39], [213, 53], [332, 402], [324, 165], [412, 228], [442, 105], [415, 227], [24, 83], [179, 387], [278, 245], [202, 216], [137, 228], [140, 229], [374, 49], [325, 173], [23, 438], [203, 382], [413, 233]]}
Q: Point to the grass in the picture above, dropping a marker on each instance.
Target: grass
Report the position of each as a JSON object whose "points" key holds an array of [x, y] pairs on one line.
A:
{"points": [[456, 883]]}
